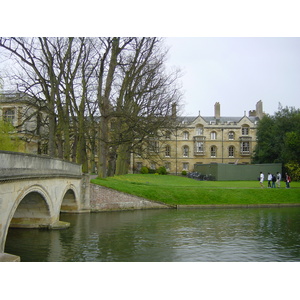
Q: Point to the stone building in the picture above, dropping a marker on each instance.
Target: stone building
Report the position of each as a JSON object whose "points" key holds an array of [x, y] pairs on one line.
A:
{"points": [[193, 140], [204, 140], [19, 110]]}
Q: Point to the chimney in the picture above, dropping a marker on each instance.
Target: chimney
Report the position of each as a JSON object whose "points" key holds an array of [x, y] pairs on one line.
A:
{"points": [[259, 109], [174, 106], [217, 110]]}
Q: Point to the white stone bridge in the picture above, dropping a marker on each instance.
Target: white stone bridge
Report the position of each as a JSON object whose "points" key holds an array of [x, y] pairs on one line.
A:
{"points": [[35, 189]]}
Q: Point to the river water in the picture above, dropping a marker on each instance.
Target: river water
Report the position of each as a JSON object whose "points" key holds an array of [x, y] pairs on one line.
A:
{"points": [[166, 235]]}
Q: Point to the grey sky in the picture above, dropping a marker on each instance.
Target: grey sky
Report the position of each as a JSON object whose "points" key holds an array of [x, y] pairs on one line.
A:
{"points": [[237, 72]]}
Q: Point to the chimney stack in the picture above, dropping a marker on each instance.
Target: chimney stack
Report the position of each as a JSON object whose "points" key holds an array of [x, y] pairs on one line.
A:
{"points": [[217, 110]]}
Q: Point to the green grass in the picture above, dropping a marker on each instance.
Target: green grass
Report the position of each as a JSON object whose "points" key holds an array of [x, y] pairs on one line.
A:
{"points": [[176, 190]]}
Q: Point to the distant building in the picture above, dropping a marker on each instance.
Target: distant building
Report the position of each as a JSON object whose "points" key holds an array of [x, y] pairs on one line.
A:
{"points": [[19, 110], [192, 140], [203, 140]]}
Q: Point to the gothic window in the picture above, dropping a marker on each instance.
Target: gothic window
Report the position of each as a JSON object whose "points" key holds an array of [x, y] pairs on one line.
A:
{"points": [[231, 151], [168, 151], [213, 135], [213, 151], [185, 166], [185, 135], [231, 135], [185, 151], [168, 166]]}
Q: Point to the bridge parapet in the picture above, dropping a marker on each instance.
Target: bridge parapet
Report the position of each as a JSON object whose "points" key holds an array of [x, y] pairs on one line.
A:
{"points": [[20, 165]]}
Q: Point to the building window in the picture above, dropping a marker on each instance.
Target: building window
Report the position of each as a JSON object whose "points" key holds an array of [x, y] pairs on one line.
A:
{"points": [[9, 115], [153, 166], [185, 166], [185, 151], [168, 151], [231, 135], [153, 146], [213, 151], [185, 135], [245, 148], [245, 130], [139, 151], [213, 135], [168, 135], [199, 147], [231, 151], [139, 166], [199, 130], [168, 166]]}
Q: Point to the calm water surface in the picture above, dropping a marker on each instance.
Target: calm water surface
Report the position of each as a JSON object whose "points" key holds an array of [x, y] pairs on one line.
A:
{"points": [[195, 235]]}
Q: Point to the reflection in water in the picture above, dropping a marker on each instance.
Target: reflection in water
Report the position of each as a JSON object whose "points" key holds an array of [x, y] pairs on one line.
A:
{"points": [[234, 235]]}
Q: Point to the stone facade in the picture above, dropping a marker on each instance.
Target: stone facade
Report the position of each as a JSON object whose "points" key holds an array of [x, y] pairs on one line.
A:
{"points": [[204, 140]]}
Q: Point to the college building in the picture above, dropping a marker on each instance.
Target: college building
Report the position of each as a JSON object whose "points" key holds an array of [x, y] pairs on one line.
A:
{"points": [[203, 140], [190, 141]]}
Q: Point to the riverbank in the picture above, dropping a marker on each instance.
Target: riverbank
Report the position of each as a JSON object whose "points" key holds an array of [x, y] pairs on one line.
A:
{"points": [[182, 191]]}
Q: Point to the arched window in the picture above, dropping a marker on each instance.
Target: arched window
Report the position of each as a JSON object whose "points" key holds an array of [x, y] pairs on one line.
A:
{"points": [[185, 151], [231, 151], [213, 151], [231, 135], [213, 135]]}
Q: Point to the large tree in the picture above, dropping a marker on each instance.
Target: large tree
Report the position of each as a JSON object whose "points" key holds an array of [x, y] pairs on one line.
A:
{"points": [[278, 137], [85, 84]]}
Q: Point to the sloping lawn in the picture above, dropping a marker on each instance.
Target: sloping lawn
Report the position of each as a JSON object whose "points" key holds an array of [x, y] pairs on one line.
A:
{"points": [[176, 190]]}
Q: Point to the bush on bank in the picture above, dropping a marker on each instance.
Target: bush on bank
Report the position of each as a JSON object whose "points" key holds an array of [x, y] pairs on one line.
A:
{"points": [[177, 190]]}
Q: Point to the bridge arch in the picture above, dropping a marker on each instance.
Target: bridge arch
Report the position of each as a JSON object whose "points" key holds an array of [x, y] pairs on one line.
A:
{"points": [[32, 209], [70, 199]]}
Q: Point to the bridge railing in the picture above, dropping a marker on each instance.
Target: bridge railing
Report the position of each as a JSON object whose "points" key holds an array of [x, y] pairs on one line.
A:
{"points": [[15, 165]]}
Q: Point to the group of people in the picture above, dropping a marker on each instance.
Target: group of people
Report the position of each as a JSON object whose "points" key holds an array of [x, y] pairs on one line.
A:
{"points": [[274, 180]]}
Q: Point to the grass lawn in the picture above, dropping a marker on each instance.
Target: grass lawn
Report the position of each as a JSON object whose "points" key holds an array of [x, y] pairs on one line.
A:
{"points": [[177, 190]]}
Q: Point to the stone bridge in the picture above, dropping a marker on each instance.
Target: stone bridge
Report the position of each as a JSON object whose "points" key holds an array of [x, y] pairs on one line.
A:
{"points": [[35, 189]]}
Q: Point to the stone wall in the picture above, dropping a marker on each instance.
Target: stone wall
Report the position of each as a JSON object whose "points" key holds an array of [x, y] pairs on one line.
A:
{"points": [[106, 199]]}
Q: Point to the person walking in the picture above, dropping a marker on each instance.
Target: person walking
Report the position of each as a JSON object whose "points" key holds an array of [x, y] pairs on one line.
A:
{"points": [[261, 179], [278, 177], [273, 181], [269, 180], [287, 180]]}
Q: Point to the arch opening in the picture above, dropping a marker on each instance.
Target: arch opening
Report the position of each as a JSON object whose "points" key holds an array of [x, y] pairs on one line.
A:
{"points": [[32, 212], [69, 203]]}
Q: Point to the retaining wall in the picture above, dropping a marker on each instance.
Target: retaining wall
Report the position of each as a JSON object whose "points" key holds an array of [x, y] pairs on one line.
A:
{"points": [[106, 199]]}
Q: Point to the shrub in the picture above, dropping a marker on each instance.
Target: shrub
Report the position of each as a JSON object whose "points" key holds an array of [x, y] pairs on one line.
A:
{"points": [[183, 173], [144, 170], [152, 171], [162, 170]]}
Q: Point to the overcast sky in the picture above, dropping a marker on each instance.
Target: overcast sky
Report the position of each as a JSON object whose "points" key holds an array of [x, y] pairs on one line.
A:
{"points": [[237, 72]]}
